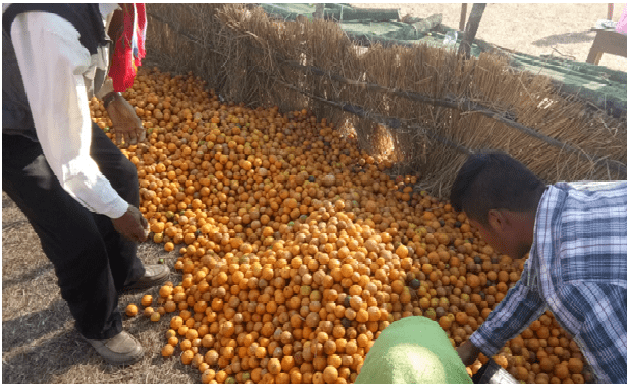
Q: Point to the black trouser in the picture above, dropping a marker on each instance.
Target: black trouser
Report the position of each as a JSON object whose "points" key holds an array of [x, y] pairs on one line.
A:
{"points": [[92, 261]]}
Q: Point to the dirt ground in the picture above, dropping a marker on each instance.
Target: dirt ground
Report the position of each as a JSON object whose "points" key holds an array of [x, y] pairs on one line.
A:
{"points": [[39, 343], [536, 29]]}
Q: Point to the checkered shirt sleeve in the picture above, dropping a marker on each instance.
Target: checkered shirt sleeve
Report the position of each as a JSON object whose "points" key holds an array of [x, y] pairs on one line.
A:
{"points": [[578, 269], [521, 306]]}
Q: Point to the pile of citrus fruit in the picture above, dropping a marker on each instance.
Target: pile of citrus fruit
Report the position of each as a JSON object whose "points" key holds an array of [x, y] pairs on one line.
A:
{"points": [[297, 248]]}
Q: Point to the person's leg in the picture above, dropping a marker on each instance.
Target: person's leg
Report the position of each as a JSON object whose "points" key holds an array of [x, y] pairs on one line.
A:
{"points": [[122, 174], [69, 235]]}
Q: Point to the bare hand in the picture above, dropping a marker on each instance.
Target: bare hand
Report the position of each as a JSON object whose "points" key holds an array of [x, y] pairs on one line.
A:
{"points": [[127, 125], [132, 225], [468, 353]]}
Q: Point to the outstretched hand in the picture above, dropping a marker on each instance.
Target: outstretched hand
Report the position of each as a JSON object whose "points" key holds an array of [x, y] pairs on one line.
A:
{"points": [[127, 125], [132, 225]]}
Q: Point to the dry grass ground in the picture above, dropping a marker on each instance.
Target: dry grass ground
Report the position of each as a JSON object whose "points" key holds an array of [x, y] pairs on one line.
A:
{"points": [[39, 343]]}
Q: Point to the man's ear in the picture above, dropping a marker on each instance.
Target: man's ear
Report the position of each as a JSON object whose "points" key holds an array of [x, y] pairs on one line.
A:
{"points": [[497, 220]]}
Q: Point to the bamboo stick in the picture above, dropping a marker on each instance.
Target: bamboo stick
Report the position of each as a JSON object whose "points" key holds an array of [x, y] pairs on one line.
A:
{"points": [[361, 112]]}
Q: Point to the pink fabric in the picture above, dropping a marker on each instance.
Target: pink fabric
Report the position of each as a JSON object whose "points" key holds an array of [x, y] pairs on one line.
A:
{"points": [[621, 27]]}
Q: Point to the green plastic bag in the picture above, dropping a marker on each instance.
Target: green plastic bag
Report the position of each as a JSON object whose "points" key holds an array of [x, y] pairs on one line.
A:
{"points": [[413, 350]]}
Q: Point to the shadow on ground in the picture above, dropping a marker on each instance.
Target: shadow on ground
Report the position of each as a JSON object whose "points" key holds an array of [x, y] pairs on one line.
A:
{"points": [[30, 276], [43, 347], [27, 329], [571, 37], [53, 357], [45, 338]]}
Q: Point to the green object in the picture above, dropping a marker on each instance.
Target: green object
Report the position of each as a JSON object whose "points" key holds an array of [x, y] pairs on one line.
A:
{"points": [[605, 88], [413, 350], [161, 261], [289, 11], [349, 13]]}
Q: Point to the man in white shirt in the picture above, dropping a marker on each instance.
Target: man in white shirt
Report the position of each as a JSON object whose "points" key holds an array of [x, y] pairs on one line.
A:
{"points": [[77, 189]]}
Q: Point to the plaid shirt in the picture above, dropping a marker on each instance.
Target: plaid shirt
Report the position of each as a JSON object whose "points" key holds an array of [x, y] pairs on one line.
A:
{"points": [[577, 268]]}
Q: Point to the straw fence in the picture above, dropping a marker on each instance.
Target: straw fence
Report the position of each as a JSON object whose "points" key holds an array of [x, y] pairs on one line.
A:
{"points": [[422, 107]]}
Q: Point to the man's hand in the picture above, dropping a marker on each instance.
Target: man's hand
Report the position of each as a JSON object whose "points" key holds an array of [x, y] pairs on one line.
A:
{"points": [[132, 225], [468, 353], [126, 123]]}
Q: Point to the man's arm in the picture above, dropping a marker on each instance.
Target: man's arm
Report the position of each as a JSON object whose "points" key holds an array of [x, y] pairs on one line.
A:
{"points": [[52, 61], [126, 125], [521, 306]]}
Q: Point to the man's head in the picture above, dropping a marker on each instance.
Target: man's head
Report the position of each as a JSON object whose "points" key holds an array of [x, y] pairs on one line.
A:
{"points": [[500, 196]]}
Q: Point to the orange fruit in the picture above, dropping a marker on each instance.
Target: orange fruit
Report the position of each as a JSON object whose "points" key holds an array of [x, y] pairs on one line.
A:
{"points": [[168, 350], [330, 375], [575, 366], [176, 322], [274, 367], [445, 323], [561, 371], [148, 311], [131, 310], [546, 365], [186, 357], [473, 281], [147, 300]]}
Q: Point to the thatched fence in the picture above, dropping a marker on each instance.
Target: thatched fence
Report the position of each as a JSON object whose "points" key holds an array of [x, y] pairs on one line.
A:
{"points": [[428, 105]]}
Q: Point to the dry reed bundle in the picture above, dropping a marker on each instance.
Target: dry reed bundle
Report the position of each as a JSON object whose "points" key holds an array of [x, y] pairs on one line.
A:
{"points": [[422, 107]]}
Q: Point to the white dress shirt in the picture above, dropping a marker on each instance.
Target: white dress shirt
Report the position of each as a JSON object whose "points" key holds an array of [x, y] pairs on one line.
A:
{"points": [[56, 69]]}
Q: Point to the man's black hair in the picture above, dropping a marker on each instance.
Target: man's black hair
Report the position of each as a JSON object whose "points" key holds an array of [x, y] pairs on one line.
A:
{"points": [[494, 180]]}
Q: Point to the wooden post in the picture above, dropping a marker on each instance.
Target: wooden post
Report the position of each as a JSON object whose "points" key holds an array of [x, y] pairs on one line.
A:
{"points": [[319, 12], [463, 16], [610, 11], [470, 30]]}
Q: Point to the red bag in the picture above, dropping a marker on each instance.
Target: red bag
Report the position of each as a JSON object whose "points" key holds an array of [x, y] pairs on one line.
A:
{"points": [[130, 47]]}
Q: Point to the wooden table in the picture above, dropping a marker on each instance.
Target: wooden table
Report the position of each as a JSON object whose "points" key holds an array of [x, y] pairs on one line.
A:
{"points": [[607, 41]]}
